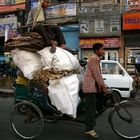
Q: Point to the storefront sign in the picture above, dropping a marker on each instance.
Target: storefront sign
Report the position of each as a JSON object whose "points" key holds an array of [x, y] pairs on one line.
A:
{"points": [[108, 42], [131, 21], [10, 8], [7, 23]]}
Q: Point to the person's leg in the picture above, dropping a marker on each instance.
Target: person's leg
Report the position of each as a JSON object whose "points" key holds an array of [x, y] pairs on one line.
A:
{"points": [[58, 34], [90, 110], [41, 30]]}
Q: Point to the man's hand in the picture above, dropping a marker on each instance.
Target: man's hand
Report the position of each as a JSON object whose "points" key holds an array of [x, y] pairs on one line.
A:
{"points": [[53, 46], [52, 50], [105, 89], [63, 46]]}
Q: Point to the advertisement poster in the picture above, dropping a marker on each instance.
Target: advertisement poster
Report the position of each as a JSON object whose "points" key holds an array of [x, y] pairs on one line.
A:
{"points": [[84, 28], [99, 26], [114, 24], [61, 10], [7, 23]]}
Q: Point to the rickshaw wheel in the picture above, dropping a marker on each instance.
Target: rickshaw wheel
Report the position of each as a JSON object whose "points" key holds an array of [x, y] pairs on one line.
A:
{"points": [[27, 120]]}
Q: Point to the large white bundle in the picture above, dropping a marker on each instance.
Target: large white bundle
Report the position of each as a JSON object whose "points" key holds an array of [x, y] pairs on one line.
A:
{"points": [[28, 62], [60, 60], [63, 94]]}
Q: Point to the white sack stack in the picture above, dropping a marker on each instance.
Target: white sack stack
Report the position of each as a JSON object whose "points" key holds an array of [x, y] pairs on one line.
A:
{"points": [[28, 62], [60, 60], [63, 93]]}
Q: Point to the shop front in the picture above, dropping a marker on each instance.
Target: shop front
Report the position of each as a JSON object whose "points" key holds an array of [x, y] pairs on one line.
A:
{"points": [[111, 45], [131, 32]]}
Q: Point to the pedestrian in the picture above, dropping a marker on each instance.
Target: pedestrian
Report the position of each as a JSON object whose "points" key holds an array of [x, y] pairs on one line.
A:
{"points": [[50, 33], [93, 84]]}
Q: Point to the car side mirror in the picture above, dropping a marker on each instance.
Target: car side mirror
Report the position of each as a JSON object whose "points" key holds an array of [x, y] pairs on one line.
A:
{"points": [[121, 72]]}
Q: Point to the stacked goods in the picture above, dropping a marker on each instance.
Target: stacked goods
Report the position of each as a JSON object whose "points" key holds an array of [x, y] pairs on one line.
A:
{"points": [[30, 41], [28, 62], [44, 75], [60, 60], [64, 94], [59, 69]]}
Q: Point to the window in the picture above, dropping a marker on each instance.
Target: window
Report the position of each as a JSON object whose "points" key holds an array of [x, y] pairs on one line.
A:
{"points": [[111, 68]]}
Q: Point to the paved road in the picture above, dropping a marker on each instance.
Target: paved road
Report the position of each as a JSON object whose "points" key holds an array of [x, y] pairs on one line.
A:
{"points": [[61, 130]]}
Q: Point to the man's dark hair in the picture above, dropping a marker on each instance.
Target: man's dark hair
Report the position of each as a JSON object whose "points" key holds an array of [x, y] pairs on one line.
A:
{"points": [[97, 46]]}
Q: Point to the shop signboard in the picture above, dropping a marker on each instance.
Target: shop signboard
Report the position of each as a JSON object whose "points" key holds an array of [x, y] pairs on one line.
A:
{"points": [[131, 21], [11, 2], [7, 23], [14, 7], [108, 42]]}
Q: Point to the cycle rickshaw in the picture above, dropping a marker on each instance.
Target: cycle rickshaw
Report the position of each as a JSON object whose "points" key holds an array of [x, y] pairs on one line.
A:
{"points": [[28, 116]]}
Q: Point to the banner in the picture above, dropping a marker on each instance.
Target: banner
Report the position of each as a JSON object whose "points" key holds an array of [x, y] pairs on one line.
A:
{"points": [[108, 42], [10, 8], [61, 10], [131, 21]]}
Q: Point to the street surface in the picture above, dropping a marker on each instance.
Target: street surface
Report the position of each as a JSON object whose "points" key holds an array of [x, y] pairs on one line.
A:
{"points": [[61, 130]]}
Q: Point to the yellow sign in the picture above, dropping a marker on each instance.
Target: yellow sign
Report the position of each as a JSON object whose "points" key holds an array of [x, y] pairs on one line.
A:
{"points": [[19, 1]]}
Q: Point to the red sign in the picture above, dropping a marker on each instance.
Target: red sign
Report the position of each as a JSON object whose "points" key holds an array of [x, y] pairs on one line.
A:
{"points": [[108, 42], [131, 21], [7, 8]]}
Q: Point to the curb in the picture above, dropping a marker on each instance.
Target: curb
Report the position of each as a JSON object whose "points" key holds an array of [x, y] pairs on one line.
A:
{"points": [[6, 92]]}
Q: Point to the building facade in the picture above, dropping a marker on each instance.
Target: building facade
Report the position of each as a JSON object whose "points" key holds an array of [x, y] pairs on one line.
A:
{"points": [[102, 24]]}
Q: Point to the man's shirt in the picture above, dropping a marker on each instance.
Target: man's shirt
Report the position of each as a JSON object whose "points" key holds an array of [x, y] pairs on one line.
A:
{"points": [[93, 77]]}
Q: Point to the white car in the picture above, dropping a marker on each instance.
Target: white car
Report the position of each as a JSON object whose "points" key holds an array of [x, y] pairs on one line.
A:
{"points": [[116, 77]]}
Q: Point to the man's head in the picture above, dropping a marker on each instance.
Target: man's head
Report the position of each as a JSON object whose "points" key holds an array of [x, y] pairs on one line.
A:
{"points": [[98, 48], [45, 3]]}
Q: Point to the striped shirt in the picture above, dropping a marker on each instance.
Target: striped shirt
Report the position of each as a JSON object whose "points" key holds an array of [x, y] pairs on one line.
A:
{"points": [[93, 78]]}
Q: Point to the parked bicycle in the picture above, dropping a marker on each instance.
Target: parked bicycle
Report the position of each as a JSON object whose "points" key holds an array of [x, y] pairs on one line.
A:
{"points": [[28, 117]]}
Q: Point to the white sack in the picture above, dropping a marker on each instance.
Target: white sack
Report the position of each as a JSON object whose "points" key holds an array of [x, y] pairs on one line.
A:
{"points": [[63, 94], [27, 62], [60, 60]]}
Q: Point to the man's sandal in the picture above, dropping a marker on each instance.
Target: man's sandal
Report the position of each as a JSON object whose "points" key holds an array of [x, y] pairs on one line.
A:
{"points": [[92, 133]]}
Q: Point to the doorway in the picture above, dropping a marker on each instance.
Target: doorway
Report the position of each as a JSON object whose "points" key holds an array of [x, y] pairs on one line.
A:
{"points": [[111, 55]]}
